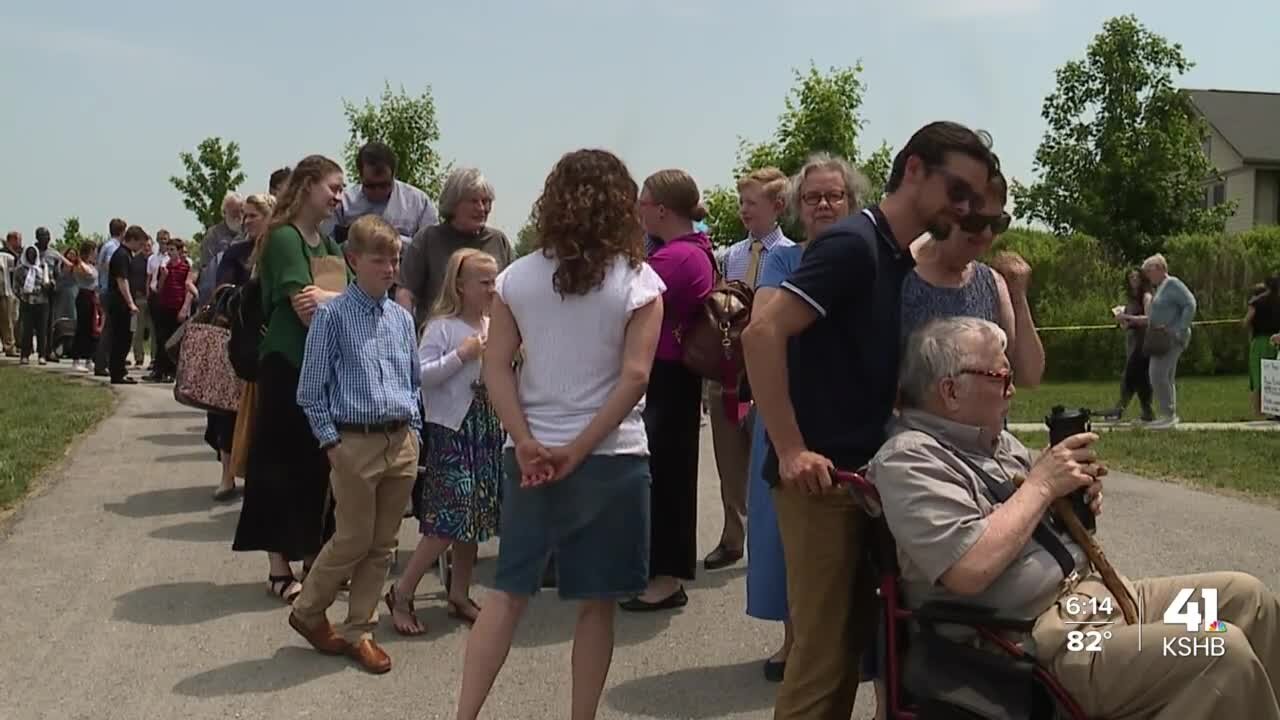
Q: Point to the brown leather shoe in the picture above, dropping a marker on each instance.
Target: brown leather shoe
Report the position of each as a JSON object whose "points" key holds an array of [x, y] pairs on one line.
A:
{"points": [[322, 637], [371, 657]]}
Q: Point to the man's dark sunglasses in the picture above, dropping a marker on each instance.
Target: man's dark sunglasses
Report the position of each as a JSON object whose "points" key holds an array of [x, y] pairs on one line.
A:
{"points": [[976, 223], [959, 190]]}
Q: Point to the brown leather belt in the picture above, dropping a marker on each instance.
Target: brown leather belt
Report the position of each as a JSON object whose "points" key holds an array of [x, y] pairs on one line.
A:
{"points": [[389, 426]]}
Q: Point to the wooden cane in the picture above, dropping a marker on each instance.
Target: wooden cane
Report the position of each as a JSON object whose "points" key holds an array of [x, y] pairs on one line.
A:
{"points": [[1093, 549]]}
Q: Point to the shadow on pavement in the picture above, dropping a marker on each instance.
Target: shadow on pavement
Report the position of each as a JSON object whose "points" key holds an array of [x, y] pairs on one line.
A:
{"points": [[289, 667], [550, 621], [170, 415], [710, 580], [696, 693], [170, 501], [192, 603], [173, 439], [204, 456], [217, 528]]}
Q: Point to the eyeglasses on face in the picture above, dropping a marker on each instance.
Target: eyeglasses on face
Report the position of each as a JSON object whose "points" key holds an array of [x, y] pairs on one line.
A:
{"points": [[813, 199], [976, 223], [958, 189], [1005, 376]]}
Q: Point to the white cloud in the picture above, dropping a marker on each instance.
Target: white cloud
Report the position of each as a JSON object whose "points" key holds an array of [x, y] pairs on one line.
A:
{"points": [[953, 9]]}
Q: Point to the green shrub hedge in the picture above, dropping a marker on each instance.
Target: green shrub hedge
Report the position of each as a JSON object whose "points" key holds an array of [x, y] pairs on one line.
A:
{"points": [[1076, 282]]}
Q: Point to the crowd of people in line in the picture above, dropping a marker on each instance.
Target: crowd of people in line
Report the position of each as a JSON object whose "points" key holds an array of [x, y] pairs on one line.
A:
{"points": [[548, 403]]}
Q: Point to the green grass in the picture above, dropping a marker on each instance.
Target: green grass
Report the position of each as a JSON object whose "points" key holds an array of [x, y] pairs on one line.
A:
{"points": [[1243, 461], [40, 414], [1200, 399]]}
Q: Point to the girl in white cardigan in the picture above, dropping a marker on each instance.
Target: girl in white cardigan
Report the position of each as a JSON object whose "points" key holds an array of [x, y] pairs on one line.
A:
{"points": [[460, 497]]}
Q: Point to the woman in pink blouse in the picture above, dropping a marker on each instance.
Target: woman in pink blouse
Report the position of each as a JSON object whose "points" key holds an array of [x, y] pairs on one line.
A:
{"points": [[669, 207]]}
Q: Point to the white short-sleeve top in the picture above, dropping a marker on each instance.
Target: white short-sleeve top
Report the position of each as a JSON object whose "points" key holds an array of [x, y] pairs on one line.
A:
{"points": [[573, 348]]}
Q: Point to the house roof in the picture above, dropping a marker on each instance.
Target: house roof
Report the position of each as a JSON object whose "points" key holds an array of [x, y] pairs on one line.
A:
{"points": [[1250, 121]]}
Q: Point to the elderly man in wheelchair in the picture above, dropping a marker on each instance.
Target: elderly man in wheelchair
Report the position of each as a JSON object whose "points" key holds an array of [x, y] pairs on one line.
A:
{"points": [[969, 510]]}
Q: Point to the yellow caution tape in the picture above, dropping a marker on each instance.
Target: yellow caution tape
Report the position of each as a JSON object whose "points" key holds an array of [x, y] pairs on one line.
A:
{"points": [[1113, 326]]}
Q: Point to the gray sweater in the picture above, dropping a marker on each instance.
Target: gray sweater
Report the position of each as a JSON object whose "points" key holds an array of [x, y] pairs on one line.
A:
{"points": [[1174, 307]]}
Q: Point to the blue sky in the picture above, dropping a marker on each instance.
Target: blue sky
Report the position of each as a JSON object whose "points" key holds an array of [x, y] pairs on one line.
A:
{"points": [[99, 98]]}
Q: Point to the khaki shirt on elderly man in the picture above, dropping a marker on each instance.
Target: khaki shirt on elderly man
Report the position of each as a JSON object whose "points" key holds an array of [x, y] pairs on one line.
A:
{"points": [[937, 509]]}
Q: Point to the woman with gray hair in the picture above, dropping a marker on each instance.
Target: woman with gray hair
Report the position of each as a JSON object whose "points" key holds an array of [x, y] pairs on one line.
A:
{"points": [[1168, 324], [826, 190], [465, 204]]}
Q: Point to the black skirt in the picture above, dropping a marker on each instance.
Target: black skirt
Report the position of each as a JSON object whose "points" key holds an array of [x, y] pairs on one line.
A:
{"points": [[672, 420], [219, 429], [287, 506]]}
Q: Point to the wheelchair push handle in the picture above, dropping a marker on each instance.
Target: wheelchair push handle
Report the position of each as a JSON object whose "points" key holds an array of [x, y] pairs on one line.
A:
{"points": [[856, 482]]}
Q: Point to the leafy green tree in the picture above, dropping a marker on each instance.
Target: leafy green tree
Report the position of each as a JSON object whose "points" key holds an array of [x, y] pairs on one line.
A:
{"points": [[212, 172], [525, 238], [71, 237], [1122, 159], [408, 125], [821, 113]]}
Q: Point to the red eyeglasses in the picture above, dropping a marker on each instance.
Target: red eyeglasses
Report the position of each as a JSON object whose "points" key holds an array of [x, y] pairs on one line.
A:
{"points": [[1005, 376]]}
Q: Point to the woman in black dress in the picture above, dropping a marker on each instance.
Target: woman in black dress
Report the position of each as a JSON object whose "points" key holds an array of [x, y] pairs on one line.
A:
{"points": [[287, 510]]}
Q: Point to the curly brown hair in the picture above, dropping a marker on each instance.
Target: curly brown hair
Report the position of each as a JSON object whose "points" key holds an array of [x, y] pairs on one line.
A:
{"points": [[587, 216]]}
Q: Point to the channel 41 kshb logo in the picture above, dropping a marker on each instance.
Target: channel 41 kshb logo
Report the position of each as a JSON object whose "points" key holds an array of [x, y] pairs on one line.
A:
{"points": [[1186, 612]]}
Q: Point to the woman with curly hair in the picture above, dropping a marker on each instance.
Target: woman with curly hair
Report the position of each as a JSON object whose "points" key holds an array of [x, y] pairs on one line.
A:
{"points": [[669, 207], [586, 311]]}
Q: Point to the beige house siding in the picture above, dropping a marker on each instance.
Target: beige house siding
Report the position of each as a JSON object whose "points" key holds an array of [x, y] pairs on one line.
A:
{"points": [[1266, 202], [1221, 154], [1240, 189]]}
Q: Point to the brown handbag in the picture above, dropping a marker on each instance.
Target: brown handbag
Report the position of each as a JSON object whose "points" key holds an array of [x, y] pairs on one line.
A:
{"points": [[711, 340], [1157, 341], [205, 378]]}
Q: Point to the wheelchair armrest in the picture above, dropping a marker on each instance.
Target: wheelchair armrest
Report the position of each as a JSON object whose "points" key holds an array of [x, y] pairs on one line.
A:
{"points": [[934, 613]]}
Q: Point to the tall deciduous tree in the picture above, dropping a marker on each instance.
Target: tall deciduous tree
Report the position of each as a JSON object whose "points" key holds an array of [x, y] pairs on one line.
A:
{"points": [[71, 237], [525, 238], [821, 113], [212, 172], [408, 125], [1122, 159]]}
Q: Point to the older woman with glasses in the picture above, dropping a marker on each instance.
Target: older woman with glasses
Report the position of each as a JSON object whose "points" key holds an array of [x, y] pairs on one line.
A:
{"points": [[826, 190], [465, 204], [950, 281]]}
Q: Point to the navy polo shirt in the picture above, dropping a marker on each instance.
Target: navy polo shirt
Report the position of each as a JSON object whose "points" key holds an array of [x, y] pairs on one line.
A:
{"points": [[843, 369]]}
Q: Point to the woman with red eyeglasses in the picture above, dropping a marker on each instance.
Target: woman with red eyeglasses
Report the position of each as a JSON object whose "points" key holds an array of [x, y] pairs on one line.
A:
{"points": [[950, 281]]}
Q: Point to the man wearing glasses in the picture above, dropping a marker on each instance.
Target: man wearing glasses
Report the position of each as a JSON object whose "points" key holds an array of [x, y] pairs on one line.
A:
{"points": [[822, 359], [404, 206]]}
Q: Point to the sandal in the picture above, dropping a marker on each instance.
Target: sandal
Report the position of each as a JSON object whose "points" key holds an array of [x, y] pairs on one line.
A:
{"points": [[285, 587], [403, 605], [455, 612], [226, 495]]}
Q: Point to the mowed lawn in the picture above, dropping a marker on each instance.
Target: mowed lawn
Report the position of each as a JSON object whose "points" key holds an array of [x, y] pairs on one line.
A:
{"points": [[40, 414], [1200, 399], [1243, 461]]}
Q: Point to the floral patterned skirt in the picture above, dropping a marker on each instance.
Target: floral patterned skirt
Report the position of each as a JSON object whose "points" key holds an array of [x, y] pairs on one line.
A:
{"points": [[462, 490]]}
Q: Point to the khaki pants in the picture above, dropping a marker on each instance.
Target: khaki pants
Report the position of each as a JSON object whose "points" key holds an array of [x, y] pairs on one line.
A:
{"points": [[371, 480], [732, 443], [1121, 681], [142, 333], [8, 313], [831, 599]]}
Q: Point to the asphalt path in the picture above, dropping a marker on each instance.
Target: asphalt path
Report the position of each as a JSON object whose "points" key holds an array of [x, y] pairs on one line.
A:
{"points": [[123, 600]]}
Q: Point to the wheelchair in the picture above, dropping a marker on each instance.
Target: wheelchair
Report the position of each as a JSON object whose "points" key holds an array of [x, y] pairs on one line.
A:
{"points": [[929, 676]]}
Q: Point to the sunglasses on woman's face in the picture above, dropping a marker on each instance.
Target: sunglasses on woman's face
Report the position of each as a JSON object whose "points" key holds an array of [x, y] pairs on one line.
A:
{"points": [[976, 223]]}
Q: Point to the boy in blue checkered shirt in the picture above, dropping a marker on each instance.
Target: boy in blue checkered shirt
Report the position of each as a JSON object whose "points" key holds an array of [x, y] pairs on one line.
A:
{"points": [[360, 389]]}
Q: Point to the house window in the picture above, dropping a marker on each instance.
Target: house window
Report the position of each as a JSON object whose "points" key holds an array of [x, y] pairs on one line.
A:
{"points": [[1219, 194], [1207, 146]]}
